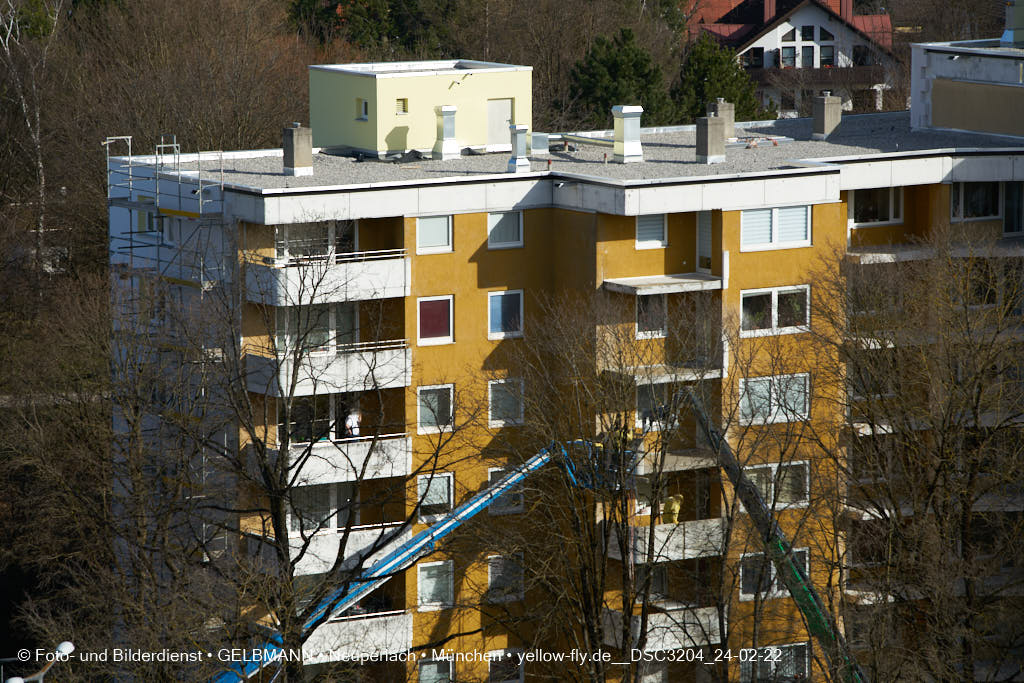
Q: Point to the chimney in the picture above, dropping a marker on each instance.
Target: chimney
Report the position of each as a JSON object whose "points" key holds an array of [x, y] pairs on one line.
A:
{"points": [[846, 9], [827, 112], [710, 140], [727, 112], [769, 10], [627, 133], [298, 150], [446, 147], [1013, 36], [539, 144], [518, 163]]}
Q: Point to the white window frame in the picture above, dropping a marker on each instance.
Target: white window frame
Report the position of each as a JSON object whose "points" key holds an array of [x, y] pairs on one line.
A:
{"points": [[426, 429], [434, 606], [776, 414], [895, 218], [444, 249], [431, 478], [773, 467], [652, 244], [775, 329], [515, 334], [286, 338], [773, 589], [496, 508], [491, 421], [437, 341], [959, 187], [498, 655], [281, 237], [652, 334], [362, 109], [334, 522], [491, 244], [434, 660], [762, 660], [775, 244], [699, 244], [512, 596]]}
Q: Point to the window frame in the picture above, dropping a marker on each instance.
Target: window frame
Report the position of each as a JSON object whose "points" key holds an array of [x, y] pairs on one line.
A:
{"points": [[515, 334], [436, 341], [401, 106], [803, 33], [772, 500], [774, 329], [498, 655], [434, 429], [787, 53], [494, 246], [435, 606], [960, 186], [895, 218], [444, 249], [430, 478], [762, 659], [776, 414], [516, 596], [496, 508], [773, 591], [651, 244], [434, 660], [362, 109], [655, 424], [1006, 213], [775, 244], [491, 421], [660, 333], [831, 62]]}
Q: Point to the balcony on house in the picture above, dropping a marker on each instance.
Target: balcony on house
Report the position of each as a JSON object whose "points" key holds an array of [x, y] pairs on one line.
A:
{"points": [[364, 543], [674, 626], [361, 366], [351, 458], [674, 541], [378, 623]]}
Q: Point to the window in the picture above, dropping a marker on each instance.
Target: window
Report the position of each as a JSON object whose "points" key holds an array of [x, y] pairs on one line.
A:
{"points": [[434, 408], [781, 228], [310, 419], [433, 234], [310, 508], [781, 485], [877, 205], [435, 320], [788, 57], [651, 317], [321, 328], [759, 577], [505, 402], [504, 666], [504, 578], [435, 494], [1013, 208], [754, 58], [806, 33], [436, 671], [825, 34], [974, 201], [402, 105], [782, 310], [789, 36], [827, 55], [302, 243], [362, 109], [650, 231], [505, 314], [657, 574], [505, 230], [509, 502], [807, 57], [776, 663], [861, 55], [147, 221], [651, 406], [781, 398], [704, 240]]}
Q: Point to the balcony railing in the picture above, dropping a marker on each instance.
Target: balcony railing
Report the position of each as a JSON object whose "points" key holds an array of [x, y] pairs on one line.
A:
{"points": [[321, 550], [677, 628], [348, 638], [674, 542], [829, 75], [328, 278], [360, 457], [352, 367]]}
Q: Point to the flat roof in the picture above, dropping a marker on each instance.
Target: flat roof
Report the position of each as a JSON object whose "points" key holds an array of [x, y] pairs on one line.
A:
{"points": [[669, 155], [663, 284], [420, 68], [988, 47]]}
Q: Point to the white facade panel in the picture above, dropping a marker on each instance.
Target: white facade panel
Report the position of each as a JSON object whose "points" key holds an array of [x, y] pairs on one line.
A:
{"points": [[981, 168], [348, 639], [385, 368], [518, 195], [674, 542], [384, 203], [446, 199], [344, 460], [351, 280], [312, 208], [675, 629], [322, 549]]}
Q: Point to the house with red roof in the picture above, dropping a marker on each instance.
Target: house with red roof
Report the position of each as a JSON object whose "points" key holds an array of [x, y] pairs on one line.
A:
{"points": [[795, 49]]}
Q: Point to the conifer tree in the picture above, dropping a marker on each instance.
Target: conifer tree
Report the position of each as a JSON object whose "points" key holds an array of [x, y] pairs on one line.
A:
{"points": [[710, 71]]}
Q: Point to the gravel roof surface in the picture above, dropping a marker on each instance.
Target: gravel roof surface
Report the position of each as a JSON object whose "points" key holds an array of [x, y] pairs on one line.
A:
{"points": [[666, 155]]}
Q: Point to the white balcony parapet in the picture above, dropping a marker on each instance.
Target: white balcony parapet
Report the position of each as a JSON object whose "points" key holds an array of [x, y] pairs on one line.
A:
{"points": [[353, 276], [673, 629], [322, 547], [674, 542], [347, 638], [352, 459], [353, 367]]}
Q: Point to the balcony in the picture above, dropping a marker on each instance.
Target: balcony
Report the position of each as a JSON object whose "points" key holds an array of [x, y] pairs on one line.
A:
{"points": [[385, 455], [352, 276], [676, 628], [674, 542], [347, 638], [353, 367], [322, 549], [834, 76], [677, 461]]}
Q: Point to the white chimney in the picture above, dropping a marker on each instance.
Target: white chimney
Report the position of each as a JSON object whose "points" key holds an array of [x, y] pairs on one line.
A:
{"points": [[298, 150], [710, 139], [518, 163], [828, 111], [627, 133], [446, 147]]}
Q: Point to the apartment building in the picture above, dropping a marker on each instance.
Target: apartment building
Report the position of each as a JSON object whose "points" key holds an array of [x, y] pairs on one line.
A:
{"points": [[381, 300]]}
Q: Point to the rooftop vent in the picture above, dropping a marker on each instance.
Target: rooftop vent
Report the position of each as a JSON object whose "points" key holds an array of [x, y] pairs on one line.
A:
{"points": [[446, 147], [725, 111], [627, 133], [1013, 36], [827, 112], [518, 163], [298, 150], [710, 140]]}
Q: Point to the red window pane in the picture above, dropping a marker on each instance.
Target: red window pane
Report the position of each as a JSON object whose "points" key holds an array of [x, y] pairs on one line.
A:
{"points": [[435, 319]]}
